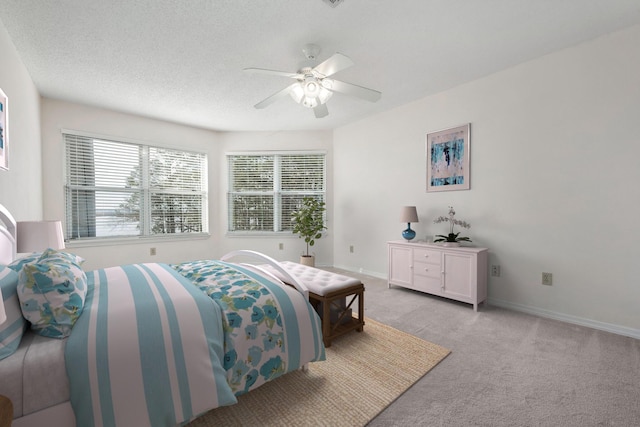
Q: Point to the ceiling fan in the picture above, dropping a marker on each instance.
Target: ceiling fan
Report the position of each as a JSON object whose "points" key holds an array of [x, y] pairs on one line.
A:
{"points": [[313, 87]]}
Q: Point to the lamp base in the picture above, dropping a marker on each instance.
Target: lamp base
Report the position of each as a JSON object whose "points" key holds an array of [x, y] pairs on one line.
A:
{"points": [[408, 234]]}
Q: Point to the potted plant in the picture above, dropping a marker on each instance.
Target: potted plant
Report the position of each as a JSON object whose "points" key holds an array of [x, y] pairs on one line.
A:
{"points": [[452, 239], [308, 224]]}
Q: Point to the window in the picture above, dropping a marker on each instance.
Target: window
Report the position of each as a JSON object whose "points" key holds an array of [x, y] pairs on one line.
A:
{"points": [[124, 189], [264, 189]]}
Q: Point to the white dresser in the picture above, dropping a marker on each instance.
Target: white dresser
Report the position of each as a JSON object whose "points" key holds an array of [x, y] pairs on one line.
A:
{"points": [[458, 273]]}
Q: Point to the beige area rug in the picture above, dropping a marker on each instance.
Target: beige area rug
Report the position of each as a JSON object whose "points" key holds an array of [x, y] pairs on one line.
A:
{"points": [[364, 372]]}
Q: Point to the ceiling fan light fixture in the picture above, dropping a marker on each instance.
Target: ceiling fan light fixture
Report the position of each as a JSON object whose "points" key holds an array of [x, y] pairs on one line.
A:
{"points": [[324, 95], [311, 87], [310, 92], [297, 92], [310, 102], [300, 95]]}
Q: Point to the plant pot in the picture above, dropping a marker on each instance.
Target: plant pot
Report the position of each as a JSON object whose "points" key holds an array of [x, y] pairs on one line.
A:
{"points": [[308, 260], [451, 244]]}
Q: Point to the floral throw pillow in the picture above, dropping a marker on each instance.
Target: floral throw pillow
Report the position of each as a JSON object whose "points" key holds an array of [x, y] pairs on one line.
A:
{"points": [[51, 255], [52, 292], [21, 262]]}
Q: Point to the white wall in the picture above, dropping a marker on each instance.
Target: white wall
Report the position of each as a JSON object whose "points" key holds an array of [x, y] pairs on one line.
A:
{"points": [[554, 181], [21, 186]]}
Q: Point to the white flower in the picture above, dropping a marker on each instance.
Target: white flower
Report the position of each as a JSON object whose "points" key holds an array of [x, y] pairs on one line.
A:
{"points": [[452, 221]]}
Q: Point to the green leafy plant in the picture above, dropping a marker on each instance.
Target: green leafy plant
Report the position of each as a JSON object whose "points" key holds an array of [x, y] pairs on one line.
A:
{"points": [[451, 237], [308, 221]]}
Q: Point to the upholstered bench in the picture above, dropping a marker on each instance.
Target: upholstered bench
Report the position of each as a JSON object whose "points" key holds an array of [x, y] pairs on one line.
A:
{"points": [[328, 294]]}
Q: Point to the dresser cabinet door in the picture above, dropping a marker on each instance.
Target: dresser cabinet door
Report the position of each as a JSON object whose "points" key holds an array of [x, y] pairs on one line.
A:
{"points": [[400, 265], [459, 280]]}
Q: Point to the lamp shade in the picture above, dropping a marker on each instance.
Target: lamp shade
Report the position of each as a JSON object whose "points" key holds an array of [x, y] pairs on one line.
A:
{"points": [[36, 236], [409, 214], [3, 314]]}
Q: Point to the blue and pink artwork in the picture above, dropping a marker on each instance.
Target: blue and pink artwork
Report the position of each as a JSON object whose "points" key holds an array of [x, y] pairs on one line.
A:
{"points": [[448, 159]]}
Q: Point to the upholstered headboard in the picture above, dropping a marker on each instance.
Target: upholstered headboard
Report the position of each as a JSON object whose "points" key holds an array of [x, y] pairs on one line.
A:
{"points": [[7, 236]]}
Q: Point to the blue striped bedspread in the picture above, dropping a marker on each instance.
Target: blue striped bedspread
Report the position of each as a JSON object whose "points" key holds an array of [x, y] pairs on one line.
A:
{"points": [[270, 328], [146, 351]]}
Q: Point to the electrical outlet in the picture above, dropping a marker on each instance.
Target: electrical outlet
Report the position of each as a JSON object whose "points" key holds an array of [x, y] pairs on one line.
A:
{"points": [[281, 246], [547, 279], [152, 251], [495, 270], [351, 249]]}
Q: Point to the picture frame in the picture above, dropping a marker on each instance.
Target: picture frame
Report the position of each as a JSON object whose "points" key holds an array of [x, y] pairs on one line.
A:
{"points": [[448, 161], [4, 134]]}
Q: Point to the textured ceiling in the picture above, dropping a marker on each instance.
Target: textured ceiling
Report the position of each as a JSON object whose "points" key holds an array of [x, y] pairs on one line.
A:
{"points": [[182, 60]]}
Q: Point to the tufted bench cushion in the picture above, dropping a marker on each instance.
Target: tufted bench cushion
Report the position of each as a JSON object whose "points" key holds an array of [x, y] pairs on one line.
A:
{"points": [[328, 293], [318, 281]]}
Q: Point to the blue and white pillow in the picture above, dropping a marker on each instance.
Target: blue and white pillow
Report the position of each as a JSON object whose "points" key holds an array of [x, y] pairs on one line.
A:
{"points": [[63, 257], [52, 292], [17, 264], [13, 328]]}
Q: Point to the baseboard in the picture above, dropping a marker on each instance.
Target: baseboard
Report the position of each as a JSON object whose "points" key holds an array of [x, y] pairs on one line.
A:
{"points": [[603, 326], [362, 271]]}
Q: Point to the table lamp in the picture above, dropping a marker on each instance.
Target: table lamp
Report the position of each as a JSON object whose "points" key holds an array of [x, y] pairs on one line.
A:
{"points": [[34, 236], [409, 214]]}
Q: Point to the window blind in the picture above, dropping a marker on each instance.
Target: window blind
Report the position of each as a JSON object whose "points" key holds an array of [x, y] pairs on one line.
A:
{"points": [[265, 189], [123, 189]]}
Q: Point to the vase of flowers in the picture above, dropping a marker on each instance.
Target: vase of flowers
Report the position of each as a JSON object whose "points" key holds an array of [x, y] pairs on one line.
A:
{"points": [[451, 239]]}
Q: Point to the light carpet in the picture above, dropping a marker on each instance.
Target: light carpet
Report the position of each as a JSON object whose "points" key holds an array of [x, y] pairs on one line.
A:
{"points": [[364, 372]]}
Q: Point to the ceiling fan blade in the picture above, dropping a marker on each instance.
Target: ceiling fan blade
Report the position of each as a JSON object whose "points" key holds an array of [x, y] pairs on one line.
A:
{"points": [[321, 111], [272, 72], [355, 90], [335, 63], [273, 98]]}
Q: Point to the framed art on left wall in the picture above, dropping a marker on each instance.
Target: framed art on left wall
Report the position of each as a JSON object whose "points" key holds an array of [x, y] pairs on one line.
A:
{"points": [[4, 135], [448, 159]]}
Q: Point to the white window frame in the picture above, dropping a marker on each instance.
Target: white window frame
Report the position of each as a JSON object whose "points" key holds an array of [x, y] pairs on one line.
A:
{"points": [[277, 192], [145, 211]]}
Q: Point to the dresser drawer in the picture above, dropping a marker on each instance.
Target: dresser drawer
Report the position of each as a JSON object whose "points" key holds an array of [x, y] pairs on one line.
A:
{"points": [[431, 285], [428, 256], [426, 270]]}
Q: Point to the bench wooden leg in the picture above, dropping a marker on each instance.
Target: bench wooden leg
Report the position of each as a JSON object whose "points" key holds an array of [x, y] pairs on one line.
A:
{"points": [[326, 323], [361, 311]]}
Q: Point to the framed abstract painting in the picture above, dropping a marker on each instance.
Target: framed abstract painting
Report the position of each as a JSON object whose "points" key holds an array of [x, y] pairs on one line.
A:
{"points": [[448, 159], [4, 136]]}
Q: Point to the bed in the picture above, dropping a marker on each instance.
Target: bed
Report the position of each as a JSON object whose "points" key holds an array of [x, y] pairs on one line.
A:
{"points": [[144, 344]]}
